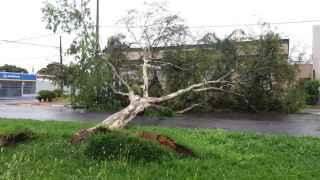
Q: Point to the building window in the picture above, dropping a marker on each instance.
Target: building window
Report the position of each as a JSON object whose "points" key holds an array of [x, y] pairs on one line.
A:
{"points": [[10, 89], [29, 88]]}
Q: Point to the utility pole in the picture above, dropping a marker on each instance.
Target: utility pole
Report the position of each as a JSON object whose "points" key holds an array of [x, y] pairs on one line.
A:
{"points": [[97, 30], [61, 66]]}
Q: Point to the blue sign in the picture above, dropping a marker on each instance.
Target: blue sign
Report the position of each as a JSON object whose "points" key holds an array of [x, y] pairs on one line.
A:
{"points": [[17, 76]]}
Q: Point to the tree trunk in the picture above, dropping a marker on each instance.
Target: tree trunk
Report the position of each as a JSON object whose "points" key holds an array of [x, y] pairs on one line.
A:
{"points": [[117, 120], [122, 118]]}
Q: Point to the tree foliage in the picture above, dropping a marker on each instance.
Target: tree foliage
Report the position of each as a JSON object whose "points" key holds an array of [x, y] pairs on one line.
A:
{"points": [[67, 16], [56, 72], [265, 79], [12, 68], [311, 89], [90, 77]]}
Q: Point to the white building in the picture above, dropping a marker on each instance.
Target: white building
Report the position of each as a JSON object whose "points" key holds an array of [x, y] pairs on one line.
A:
{"points": [[316, 51], [43, 83]]}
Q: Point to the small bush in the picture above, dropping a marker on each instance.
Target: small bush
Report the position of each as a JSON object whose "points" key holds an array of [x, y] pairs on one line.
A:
{"points": [[121, 146], [294, 100], [311, 89], [46, 95]]}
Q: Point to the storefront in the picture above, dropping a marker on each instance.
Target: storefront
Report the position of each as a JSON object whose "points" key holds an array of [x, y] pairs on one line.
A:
{"points": [[17, 84]]}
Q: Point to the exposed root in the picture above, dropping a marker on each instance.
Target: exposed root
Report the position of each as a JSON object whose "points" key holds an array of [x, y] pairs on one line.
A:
{"points": [[166, 142], [84, 134], [15, 138]]}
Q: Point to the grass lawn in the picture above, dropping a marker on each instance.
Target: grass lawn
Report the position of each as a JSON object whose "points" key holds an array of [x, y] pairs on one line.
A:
{"points": [[222, 155]]}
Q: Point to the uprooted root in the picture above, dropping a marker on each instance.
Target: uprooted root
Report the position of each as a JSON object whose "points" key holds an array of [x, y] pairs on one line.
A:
{"points": [[166, 142]]}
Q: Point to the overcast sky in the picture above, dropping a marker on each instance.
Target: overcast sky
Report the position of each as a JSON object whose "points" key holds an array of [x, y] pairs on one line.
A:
{"points": [[21, 20]]}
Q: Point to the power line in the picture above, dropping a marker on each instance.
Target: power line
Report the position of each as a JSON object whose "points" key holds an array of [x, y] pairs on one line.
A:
{"points": [[258, 24], [228, 25], [29, 43], [30, 58], [34, 37]]}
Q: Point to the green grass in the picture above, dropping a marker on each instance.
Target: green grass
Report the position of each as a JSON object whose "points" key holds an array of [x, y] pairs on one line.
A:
{"points": [[222, 155]]}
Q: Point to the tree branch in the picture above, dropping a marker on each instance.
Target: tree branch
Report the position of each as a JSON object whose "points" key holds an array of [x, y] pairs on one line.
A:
{"points": [[114, 70], [170, 64], [188, 108], [226, 91], [188, 89], [119, 92], [145, 78], [183, 91]]}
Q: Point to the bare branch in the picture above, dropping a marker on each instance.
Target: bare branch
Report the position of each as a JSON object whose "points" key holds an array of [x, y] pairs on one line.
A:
{"points": [[145, 78], [114, 70], [183, 91], [188, 108], [226, 75], [119, 92], [170, 64], [190, 88], [209, 88]]}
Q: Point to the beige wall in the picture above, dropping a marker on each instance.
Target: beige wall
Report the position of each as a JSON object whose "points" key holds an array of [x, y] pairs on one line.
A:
{"points": [[305, 71], [316, 50], [136, 54]]}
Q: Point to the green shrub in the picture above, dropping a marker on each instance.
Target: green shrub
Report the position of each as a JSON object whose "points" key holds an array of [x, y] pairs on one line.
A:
{"points": [[121, 146], [311, 89], [46, 95], [58, 92], [294, 100]]}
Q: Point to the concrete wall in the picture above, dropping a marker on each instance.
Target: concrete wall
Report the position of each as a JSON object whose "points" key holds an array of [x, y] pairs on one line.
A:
{"points": [[44, 84], [136, 53]]}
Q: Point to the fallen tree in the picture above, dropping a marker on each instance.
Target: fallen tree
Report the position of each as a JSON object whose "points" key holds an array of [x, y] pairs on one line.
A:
{"points": [[150, 30], [158, 29], [139, 103]]}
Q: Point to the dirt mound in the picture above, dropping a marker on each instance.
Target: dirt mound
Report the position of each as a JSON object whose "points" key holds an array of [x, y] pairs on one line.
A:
{"points": [[15, 138], [166, 142], [163, 140]]}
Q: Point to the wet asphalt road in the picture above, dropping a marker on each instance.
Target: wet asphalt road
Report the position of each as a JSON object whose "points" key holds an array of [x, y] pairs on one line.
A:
{"points": [[303, 124]]}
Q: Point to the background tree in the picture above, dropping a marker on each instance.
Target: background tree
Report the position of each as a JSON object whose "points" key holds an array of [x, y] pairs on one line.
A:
{"points": [[210, 58], [267, 77], [263, 76], [91, 76], [53, 72], [12, 68], [311, 89]]}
